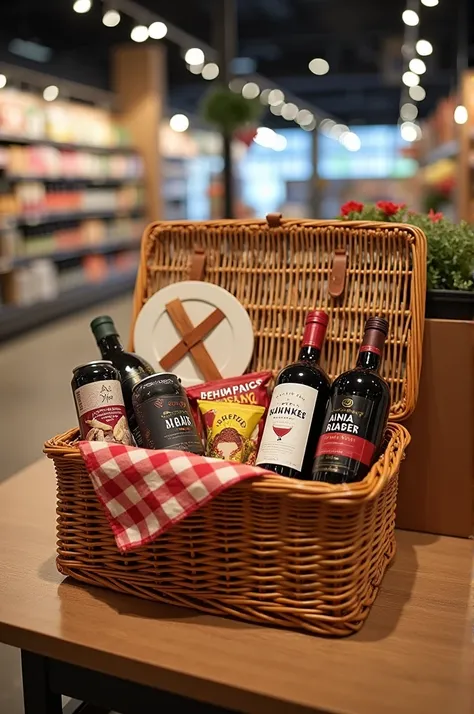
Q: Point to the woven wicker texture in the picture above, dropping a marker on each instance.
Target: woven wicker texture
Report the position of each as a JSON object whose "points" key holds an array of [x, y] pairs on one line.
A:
{"points": [[275, 550], [271, 551], [280, 273]]}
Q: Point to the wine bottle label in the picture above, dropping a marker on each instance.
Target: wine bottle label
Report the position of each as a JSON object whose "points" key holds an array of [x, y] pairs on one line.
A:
{"points": [[101, 411], [166, 423], [287, 427], [344, 435]]}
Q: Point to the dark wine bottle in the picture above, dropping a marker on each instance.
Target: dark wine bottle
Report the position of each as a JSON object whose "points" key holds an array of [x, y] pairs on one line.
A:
{"points": [[357, 414], [297, 408], [132, 368]]}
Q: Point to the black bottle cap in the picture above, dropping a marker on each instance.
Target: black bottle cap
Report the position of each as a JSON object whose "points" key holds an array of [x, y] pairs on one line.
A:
{"points": [[377, 323], [103, 326]]}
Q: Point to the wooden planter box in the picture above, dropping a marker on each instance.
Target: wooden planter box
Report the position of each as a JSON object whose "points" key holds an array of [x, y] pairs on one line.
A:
{"points": [[436, 488]]}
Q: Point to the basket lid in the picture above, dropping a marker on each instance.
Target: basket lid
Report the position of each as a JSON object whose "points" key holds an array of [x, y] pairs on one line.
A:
{"points": [[282, 269]]}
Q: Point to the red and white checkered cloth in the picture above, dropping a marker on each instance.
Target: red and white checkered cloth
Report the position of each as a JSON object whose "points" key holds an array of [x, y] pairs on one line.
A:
{"points": [[145, 492]]}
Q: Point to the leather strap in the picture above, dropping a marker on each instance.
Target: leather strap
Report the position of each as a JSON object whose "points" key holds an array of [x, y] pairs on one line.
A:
{"points": [[274, 220], [192, 340], [338, 273], [198, 264]]}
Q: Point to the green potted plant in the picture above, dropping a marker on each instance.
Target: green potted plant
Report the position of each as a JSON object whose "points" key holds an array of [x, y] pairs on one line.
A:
{"points": [[450, 265], [230, 111]]}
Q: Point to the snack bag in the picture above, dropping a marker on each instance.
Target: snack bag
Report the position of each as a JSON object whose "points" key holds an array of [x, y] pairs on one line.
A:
{"points": [[247, 389], [231, 430]]}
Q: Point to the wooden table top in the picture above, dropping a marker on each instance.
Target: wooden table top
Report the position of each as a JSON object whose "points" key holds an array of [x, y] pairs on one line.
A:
{"points": [[414, 654]]}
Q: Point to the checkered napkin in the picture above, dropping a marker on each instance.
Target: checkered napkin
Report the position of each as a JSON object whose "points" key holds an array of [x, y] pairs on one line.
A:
{"points": [[145, 492]]}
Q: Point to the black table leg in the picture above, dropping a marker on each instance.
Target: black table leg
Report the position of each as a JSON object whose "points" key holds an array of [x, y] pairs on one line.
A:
{"points": [[37, 695]]}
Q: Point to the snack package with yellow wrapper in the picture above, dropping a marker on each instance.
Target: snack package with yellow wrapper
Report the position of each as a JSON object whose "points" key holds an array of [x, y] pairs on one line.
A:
{"points": [[231, 430]]}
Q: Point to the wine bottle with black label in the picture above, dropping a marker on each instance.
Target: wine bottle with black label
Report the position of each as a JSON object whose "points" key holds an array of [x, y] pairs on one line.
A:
{"points": [[131, 367], [357, 414], [297, 408]]}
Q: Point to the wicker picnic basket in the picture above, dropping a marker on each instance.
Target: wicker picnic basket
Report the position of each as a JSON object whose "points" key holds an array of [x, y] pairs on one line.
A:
{"points": [[274, 550]]}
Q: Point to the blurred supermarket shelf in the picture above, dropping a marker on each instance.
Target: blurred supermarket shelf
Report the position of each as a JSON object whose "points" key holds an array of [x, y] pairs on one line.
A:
{"points": [[58, 256], [35, 219], [27, 141], [83, 180], [17, 319]]}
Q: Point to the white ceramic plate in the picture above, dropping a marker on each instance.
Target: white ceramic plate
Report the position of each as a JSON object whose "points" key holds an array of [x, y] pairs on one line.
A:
{"points": [[230, 344]]}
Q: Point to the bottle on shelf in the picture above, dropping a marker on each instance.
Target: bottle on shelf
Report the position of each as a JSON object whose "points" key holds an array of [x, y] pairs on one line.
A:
{"points": [[297, 408], [132, 368], [357, 414]]}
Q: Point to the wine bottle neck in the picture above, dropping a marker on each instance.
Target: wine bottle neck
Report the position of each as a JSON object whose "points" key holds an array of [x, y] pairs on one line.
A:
{"points": [[110, 345], [368, 359], [371, 350], [308, 353]]}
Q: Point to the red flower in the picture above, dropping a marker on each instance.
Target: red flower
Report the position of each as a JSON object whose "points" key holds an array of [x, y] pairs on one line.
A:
{"points": [[352, 207], [435, 217], [389, 208]]}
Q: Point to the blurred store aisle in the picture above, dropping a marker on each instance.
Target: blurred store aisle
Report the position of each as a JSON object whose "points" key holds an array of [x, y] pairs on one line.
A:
{"points": [[35, 376]]}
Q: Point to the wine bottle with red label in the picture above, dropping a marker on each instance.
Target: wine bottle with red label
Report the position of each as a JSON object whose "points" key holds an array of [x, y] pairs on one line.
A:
{"points": [[357, 414], [297, 408]]}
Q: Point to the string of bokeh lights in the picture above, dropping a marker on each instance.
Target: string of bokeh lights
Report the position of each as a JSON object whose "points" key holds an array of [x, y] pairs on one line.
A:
{"points": [[413, 50], [196, 63]]}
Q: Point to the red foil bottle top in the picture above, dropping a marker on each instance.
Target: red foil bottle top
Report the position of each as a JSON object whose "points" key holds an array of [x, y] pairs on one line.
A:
{"points": [[315, 329], [317, 316]]}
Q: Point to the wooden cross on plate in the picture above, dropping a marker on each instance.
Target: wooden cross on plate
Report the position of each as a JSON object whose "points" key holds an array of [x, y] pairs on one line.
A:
{"points": [[192, 340]]}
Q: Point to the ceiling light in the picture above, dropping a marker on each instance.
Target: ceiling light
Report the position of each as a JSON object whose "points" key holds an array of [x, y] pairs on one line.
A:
{"points": [[429, 3], [424, 48], [195, 68], [111, 18], [409, 131], [417, 93], [82, 6], [326, 126], [408, 112], [304, 117], [350, 141], [269, 139], [289, 111], [250, 90], [337, 130], [410, 79], [410, 17], [157, 30], [276, 97], [194, 56], [264, 137], [30, 50], [210, 71], [279, 142], [460, 114], [139, 33], [179, 122], [276, 109], [319, 66], [265, 93], [3, 81], [417, 65], [51, 93]]}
